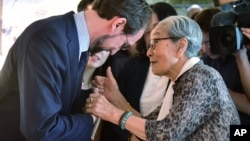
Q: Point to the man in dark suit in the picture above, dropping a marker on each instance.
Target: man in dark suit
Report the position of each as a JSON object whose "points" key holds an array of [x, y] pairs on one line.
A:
{"points": [[41, 77]]}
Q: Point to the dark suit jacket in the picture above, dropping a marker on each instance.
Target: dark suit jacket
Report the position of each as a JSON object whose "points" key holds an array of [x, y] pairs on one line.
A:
{"points": [[39, 83], [131, 82]]}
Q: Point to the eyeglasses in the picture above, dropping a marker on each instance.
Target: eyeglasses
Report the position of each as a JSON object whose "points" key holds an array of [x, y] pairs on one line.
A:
{"points": [[156, 40], [126, 45]]}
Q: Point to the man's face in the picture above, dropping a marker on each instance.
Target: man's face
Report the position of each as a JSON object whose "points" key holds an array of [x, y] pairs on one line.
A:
{"points": [[115, 42], [111, 43]]}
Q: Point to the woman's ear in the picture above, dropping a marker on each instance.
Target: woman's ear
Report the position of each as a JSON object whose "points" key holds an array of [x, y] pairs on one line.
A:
{"points": [[181, 46]]}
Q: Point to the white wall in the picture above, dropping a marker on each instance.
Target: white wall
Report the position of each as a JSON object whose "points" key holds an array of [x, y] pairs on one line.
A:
{"points": [[18, 14]]}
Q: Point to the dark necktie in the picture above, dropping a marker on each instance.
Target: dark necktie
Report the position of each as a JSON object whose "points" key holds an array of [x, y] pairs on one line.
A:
{"points": [[81, 66]]}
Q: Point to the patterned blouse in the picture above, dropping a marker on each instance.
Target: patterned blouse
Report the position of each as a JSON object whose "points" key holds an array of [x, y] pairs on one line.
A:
{"points": [[202, 109]]}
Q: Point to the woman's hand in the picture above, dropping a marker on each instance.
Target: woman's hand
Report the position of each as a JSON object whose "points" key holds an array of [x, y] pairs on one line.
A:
{"points": [[99, 106], [107, 86], [98, 83]]}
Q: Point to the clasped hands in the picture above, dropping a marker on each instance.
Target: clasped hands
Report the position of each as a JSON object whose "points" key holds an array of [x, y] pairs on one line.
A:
{"points": [[105, 91]]}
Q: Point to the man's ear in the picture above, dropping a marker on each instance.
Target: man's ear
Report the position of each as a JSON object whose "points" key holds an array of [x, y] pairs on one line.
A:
{"points": [[119, 24]]}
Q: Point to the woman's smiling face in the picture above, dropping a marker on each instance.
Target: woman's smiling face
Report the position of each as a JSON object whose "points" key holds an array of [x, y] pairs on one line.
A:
{"points": [[162, 53]]}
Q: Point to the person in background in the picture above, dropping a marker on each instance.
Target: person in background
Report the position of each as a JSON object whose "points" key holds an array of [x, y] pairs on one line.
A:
{"points": [[94, 62], [42, 75], [142, 89], [245, 70], [237, 62], [193, 10], [116, 62], [84, 5], [203, 18], [197, 105]]}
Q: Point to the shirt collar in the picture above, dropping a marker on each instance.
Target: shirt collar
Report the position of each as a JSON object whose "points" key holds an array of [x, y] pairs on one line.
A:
{"points": [[82, 31]]}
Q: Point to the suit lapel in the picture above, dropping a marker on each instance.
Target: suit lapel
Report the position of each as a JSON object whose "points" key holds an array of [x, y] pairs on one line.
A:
{"points": [[76, 66]]}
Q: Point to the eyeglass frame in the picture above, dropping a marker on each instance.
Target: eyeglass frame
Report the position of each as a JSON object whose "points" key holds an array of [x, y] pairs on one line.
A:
{"points": [[155, 40]]}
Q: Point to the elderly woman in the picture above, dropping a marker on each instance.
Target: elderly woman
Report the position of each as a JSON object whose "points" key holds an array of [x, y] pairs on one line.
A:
{"points": [[197, 105]]}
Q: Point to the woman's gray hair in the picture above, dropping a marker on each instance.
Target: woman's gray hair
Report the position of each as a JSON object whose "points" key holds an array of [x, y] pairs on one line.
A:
{"points": [[183, 27]]}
